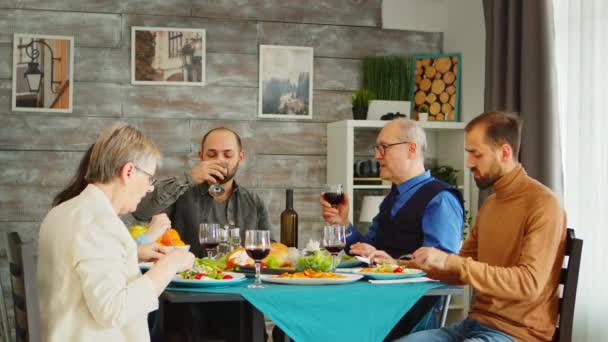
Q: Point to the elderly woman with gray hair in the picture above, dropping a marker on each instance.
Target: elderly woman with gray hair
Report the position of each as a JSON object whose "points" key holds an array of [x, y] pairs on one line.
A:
{"points": [[91, 288]]}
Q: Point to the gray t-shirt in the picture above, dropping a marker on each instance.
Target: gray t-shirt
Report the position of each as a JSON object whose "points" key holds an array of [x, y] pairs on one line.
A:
{"points": [[219, 214]]}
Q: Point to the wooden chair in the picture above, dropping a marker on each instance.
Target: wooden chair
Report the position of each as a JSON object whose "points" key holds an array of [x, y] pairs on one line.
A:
{"points": [[22, 266], [569, 280], [6, 330]]}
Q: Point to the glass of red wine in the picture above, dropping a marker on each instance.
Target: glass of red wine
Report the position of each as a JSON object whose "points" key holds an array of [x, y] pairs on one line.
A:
{"points": [[217, 189], [257, 245], [334, 240], [334, 194], [209, 237]]}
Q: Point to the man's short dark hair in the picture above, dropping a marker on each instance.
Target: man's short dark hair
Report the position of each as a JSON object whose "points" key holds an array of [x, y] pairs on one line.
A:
{"points": [[236, 136], [501, 128]]}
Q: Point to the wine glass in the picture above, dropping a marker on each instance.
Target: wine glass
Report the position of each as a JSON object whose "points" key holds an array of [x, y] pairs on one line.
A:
{"points": [[224, 248], [217, 189], [234, 238], [334, 194], [209, 237], [257, 245], [334, 240]]}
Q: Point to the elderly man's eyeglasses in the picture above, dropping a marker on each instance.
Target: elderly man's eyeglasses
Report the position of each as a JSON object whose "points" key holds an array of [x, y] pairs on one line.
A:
{"points": [[151, 179], [381, 148]]}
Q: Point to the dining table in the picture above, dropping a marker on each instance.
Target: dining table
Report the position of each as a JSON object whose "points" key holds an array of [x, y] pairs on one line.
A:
{"points": [[357, 311]]}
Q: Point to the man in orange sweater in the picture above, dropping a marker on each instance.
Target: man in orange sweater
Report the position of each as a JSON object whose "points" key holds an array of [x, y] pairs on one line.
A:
{"points": [[514, 254]]}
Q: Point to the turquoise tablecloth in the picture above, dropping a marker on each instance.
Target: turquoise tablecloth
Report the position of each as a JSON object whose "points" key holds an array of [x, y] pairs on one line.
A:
{"points": [[358, 311]]}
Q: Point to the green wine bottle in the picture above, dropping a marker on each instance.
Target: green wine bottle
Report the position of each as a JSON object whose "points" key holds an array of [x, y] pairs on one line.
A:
{"points": [[289, 222]]}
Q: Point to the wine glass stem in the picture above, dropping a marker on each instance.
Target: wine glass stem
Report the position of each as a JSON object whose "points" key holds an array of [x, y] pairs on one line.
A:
{"points": [[257, 273], [210, 254], [333, 263]]}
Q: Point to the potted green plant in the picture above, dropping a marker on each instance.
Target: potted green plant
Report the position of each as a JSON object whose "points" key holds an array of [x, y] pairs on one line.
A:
{"points": [[423, 113], [360, 103]]}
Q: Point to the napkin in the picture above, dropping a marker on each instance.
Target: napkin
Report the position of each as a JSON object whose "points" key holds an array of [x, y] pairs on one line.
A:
{"points": [[405, 280]]}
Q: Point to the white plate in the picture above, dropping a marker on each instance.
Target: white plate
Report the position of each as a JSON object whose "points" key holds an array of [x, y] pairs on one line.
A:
{"points": [[178, 281], [408, 273], [349, 278]]}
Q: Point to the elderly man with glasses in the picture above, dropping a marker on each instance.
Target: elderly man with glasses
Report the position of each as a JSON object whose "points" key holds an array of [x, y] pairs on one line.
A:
{"points": [[419, 210]]}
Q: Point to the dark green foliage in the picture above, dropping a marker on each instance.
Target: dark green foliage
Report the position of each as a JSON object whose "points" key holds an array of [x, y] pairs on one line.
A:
{"points": [[388, 78]]}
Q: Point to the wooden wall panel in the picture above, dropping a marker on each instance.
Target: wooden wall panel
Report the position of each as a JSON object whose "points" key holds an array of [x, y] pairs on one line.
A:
{"points": [[348, 41], [38, 168], [88, 29], [64, 133], [102, 65], [208, 102], [287, 138], [60, 133], [337, 12], [24, 203], [90, 99], [174, 7], [329, 106], [290, 171], [6, 58], [225, 69], [168, 135], [338, 74]]}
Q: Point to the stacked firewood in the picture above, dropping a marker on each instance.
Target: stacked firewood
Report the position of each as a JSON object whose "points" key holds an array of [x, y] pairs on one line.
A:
{"points": [[435, 87]]}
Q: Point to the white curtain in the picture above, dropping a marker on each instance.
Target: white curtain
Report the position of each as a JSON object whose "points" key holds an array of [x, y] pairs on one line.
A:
{"points": [[581, 28]]}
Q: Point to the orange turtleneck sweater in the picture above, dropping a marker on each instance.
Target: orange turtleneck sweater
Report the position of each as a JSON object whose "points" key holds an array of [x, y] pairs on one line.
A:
{"points": [[513, 258]]}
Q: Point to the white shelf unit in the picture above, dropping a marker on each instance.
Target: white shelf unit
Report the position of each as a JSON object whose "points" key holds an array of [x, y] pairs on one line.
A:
{"points": [[445, 142]]}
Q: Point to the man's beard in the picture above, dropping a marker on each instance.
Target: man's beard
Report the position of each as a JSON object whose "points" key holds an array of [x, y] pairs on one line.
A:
{"points": [[231, 174], [484, 182]]}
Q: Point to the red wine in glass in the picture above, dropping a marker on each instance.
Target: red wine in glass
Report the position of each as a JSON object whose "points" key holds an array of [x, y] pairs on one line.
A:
{"points": [[334, 249], [257, 246], [334, 198], [257, 254], [334, 240], [210, 245]]}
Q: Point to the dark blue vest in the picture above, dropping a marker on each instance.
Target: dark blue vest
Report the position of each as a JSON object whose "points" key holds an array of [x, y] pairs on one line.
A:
{"points": [[403, 234]]}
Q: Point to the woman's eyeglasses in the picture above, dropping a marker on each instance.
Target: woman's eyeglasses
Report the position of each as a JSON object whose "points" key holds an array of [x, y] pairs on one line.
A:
{"points": [[151, 179]]}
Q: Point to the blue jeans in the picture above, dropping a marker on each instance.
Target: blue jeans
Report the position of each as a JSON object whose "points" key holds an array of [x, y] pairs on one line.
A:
{"points": [[468, 330]]}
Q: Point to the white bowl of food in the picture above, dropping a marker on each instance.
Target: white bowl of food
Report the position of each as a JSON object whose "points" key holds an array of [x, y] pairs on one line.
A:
{"points": [[167, 249]]}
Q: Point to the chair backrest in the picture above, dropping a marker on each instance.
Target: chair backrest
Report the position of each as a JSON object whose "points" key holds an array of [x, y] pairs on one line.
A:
{"points": [[22, 266], [6, 330], [569, 280]]}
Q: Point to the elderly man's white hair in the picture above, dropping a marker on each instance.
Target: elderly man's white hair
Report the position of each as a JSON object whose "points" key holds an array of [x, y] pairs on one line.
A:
{"points": [[412, 132]]}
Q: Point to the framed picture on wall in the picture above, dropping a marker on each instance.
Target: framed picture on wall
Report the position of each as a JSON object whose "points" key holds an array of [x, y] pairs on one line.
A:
{"points": [[285, 89], [167, 56], [436, 87], [42, 73]]}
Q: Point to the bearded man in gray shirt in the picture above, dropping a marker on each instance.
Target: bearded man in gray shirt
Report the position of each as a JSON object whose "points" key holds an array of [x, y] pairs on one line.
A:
{"points": [[188, 202]]}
